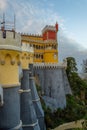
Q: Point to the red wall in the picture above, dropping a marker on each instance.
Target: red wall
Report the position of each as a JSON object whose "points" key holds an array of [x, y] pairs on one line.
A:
{"points": [[45, 36], [51, 35]]}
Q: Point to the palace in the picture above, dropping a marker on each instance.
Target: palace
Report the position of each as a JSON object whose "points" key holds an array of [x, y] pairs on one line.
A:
{"points": [[45, 45], [23, 58]]}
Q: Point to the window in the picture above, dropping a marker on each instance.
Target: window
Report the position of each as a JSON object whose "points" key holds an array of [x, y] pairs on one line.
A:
{"points": [[4, 34], [41, 56]]}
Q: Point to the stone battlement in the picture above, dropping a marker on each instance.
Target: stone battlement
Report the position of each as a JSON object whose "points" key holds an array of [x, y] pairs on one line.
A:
{"points": [[10, 40], [33, 35], [48, 27], [50, 65]]}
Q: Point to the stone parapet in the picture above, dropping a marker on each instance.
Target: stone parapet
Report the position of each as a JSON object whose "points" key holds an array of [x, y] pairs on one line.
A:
{"points": [[51, 65], [12, 41], [32, 40]]}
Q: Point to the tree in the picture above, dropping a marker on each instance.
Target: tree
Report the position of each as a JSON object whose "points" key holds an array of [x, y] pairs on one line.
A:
{"points": [[71, 66], [77, 84]]}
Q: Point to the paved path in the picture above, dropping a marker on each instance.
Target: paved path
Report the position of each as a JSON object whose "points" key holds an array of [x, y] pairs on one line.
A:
{"points": [[74, 124]]}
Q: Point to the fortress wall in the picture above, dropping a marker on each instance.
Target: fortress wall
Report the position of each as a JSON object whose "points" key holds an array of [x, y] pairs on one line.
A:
{"points": [[54, 85]]}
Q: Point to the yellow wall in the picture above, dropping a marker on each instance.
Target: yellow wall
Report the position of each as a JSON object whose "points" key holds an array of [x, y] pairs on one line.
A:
{"points": [[9, 75], [50, 58], [31, 37], [48, 54], [26, 58], [38, 60]]}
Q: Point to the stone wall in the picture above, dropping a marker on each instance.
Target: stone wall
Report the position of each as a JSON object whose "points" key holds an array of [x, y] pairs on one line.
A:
{"points": [[54, 86]]}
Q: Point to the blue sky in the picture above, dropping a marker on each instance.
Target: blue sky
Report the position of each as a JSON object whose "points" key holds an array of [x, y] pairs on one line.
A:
{"points": [[33, 15]]}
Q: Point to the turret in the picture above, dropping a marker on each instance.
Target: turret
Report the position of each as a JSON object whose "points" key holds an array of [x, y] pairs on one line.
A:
{"points": [[28, 114], [10, 51], [27, 55], [50, 32]]}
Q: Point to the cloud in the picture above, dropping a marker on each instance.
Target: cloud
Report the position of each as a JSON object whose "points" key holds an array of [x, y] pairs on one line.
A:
{"points": [[3, 5], [31, 17], [70, 48]]}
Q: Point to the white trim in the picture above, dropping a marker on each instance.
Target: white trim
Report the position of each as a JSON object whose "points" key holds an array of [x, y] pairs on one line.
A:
{"points": [[31, 125], [18, 126], [10, 85], [51, 65], [24, 91], [36, 100], [10, 47]]}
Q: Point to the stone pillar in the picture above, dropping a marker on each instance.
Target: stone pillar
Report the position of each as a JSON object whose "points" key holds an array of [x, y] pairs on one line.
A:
{"points": [[36, 100], [28, 114], [10, 111]]}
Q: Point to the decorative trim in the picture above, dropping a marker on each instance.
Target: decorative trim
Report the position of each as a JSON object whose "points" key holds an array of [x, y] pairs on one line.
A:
{"points": [[18, 126], [2, 62], [34, 35], [50, 65], [10, 85], [12, 62], [36, 100], [24, 91], [31, 125], [10, 47]]}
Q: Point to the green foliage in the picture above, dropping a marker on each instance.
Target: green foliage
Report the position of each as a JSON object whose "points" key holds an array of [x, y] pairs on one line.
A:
{"points": [[77, 84], [76, 108], [38, 89], [71, 65]]}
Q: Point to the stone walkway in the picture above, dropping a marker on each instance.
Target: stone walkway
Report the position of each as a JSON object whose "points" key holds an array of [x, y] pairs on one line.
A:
{"points": [[74, 124]]}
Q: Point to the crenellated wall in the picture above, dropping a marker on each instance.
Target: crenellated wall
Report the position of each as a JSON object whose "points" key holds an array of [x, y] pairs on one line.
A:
{"points": [[11, 42], [54, 84]]}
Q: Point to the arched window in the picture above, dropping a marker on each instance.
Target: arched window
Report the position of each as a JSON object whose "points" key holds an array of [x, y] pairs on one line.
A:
{"points": [[36, 55], [36, 46]]}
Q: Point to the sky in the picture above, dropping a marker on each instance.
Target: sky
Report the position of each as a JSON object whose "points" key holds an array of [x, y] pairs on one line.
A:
{"points": [[33, 15]]}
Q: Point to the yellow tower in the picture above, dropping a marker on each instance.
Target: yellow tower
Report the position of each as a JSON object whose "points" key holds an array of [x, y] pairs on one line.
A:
{"points": [[10, 50], [27, 54], [49, 34]]}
